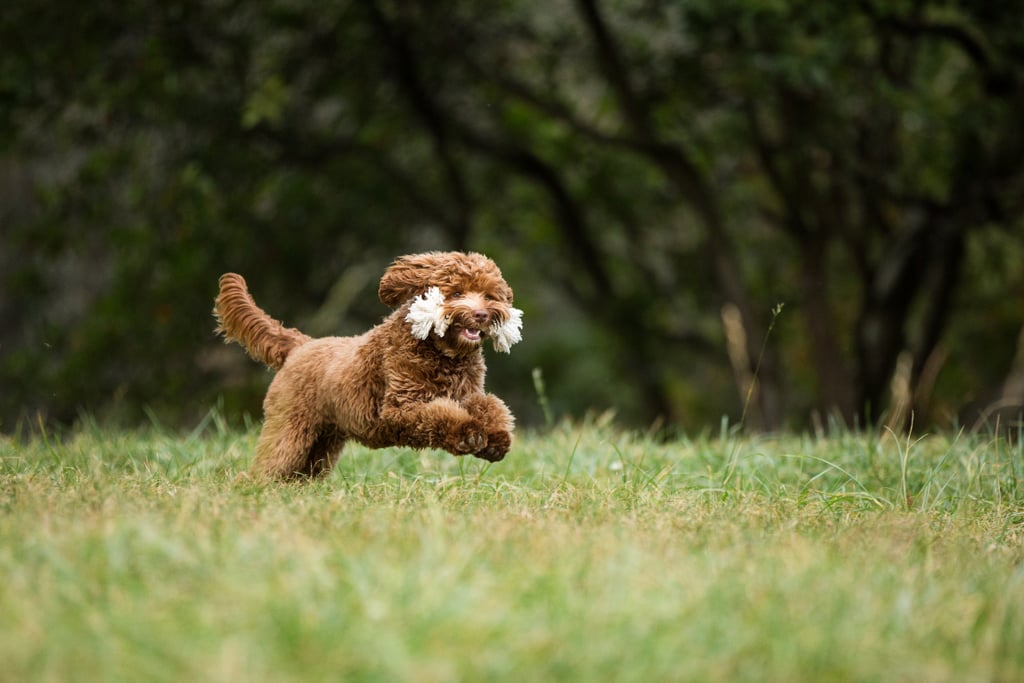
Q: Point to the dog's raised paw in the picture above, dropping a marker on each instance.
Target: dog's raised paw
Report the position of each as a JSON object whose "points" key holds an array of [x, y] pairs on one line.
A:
{"points": [[491, 454], [470, 440], [497, 447]]}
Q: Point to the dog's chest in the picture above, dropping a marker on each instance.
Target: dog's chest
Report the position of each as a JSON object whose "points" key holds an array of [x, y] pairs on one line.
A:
{"points": [[452, 379]]}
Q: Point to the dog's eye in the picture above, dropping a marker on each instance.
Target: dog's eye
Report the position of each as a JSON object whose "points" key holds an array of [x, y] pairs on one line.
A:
{"points": [[489, 297], [456, 295]]}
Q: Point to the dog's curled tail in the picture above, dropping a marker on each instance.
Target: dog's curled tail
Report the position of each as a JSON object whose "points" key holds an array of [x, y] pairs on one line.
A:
{"points": [[241, 320]]}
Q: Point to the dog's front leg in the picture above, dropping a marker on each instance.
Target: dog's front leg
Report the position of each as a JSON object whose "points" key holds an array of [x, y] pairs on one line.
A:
{"points": [[497, 422], [440, 423]]}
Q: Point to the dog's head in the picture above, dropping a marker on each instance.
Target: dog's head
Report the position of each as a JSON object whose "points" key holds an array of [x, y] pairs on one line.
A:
{"points": [[460, 299]]}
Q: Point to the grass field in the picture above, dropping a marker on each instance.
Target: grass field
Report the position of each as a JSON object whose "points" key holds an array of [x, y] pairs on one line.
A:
{"points": [[587, 555]]}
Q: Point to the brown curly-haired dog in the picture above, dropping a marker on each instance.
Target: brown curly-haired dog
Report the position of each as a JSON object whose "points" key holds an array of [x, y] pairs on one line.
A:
{"points": [[416, 379]]}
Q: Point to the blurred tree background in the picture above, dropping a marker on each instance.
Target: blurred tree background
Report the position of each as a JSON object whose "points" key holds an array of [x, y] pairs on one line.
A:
{"points": [[653, 177]]}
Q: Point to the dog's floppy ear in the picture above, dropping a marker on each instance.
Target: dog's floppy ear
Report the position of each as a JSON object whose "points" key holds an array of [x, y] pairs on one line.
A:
{"points": [[407, 277]]}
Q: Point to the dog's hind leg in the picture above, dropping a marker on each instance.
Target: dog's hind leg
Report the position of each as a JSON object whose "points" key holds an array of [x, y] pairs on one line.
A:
{"points": [[284, 446], [324, 454]]}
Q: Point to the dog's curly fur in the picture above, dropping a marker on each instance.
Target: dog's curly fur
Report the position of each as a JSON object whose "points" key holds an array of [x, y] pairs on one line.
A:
{"points": [[385, 387]]}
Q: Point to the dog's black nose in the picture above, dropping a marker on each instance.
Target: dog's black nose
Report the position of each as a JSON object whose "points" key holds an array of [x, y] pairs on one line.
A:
{"points": [[481, 316]]}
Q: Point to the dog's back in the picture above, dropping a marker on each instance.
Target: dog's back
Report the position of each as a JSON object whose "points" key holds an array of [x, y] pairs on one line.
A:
{"points": [[242, 321]]}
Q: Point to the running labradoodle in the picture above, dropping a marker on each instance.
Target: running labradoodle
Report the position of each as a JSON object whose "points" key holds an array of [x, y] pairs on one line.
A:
{"points": [[416, 379]]}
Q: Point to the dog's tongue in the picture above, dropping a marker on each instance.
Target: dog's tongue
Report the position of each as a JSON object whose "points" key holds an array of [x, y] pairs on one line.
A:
{"points": [[472, 335]]}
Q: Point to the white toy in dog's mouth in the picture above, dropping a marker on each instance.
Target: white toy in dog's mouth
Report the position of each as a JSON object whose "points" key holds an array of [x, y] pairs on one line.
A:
{"points": [[427, 313], [509, 332]]}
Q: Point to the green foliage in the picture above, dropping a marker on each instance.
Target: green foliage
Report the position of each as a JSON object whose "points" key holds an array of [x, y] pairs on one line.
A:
{"points": [[636, 168], [587, 554]]}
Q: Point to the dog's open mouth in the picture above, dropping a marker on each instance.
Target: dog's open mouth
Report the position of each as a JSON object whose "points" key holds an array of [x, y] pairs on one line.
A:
{"points": [[470, 334]]}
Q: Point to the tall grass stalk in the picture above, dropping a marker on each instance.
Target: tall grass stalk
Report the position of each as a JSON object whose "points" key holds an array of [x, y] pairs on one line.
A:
{"points": [[776, 311]]}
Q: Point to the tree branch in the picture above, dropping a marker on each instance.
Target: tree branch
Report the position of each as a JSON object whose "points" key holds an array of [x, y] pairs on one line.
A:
{"points": [[693, 186], [408, 76], [793, 221], [611, 64], [295, 149], [997, 81], [570, 218]]}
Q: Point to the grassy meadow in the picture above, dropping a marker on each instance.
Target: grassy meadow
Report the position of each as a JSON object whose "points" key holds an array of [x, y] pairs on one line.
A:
{"points": [[589, 554]]}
